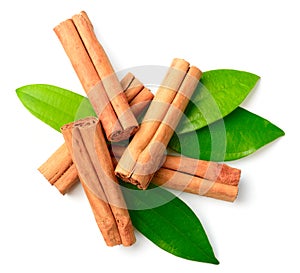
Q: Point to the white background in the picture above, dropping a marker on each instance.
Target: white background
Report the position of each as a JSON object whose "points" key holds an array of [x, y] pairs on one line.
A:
{"points": [[42, 231]]}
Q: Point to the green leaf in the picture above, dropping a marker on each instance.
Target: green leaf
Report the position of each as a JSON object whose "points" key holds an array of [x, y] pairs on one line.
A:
{"points": [[54, 105], [218, 94], [168, 222], [237, 135]]}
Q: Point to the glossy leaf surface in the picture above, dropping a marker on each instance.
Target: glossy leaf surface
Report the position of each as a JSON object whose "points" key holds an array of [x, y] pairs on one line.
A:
{"points": [[239, 134], [172, 226], [54, 105], [218, 94]]}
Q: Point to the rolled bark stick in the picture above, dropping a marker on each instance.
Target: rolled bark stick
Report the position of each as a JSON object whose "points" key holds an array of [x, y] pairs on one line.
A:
{"points": [[155, 114], [153, 155], [97, 77], [95, 143], [209, 170], [93, 162], [68, 179], [100, 207], [106, 72], [79, 58], [217, 172], [211, 179], [144, 156], [56, 165], [58, 169], [88, 76], [193, 184]]}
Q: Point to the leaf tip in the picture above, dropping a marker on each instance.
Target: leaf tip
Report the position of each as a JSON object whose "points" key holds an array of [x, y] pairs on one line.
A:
{"points": [[280, 131], [214, 260], [22, 90], [18, 90], [255, 77]]}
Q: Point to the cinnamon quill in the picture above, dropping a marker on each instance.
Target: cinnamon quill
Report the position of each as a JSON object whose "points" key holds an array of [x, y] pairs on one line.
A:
{"points": [[145, 153], [97, 76], [87, 146]]}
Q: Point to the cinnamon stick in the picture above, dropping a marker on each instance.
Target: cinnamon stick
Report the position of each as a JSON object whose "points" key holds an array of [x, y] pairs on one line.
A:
{"points": [[161, 101], [211, 179], [58, 169], [145, 153], [87, 145], [193, 184], [100, 207], [56, 165], [97, 76], [68, 178], [213, 171]]}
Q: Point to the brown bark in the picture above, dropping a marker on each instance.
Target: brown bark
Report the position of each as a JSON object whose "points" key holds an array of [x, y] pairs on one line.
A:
{"points": [[146, 152], [97, 77], [87, 145], [211, 179], [209, 170], [193, 184], [217, 172]]}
